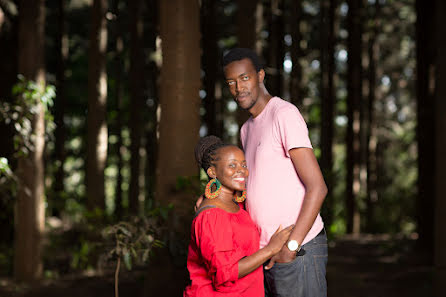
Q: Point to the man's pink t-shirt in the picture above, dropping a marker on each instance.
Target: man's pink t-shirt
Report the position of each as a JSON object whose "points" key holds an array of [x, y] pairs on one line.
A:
{"points": [[275, 192]]}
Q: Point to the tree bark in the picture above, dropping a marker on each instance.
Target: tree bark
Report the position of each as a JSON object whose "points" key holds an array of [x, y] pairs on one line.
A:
{"points": [[276, 52], [246, 23], [212, 117], [372, 138], [60, 103], [246, 37], [327, 99], [137, 87], [118, 66], [354, 89], [426, 51], [440, 148], [30, 210], [296, 52], [97, 141], [152, 123], [179, 118]]}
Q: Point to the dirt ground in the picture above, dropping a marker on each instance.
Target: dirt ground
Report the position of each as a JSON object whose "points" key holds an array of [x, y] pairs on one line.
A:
{"points": [[366, 266], [377, 266]]}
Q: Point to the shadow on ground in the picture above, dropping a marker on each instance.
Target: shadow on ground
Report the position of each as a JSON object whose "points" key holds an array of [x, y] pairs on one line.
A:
{"points": [[377, 266], [364, 266]]}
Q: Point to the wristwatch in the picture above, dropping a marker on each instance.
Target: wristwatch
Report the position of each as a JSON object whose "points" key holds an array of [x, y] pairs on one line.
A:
{"points": [[293, 246]]}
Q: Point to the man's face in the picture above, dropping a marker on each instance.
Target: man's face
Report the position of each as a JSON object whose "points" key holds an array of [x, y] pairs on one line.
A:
{"points": [[244, 82]]}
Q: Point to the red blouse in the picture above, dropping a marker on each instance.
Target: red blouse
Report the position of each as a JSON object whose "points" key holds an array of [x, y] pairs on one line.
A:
{"points": [[219, 239]]}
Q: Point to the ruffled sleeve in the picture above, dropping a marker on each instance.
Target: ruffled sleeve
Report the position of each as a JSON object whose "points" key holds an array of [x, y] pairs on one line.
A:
{"points": [[214, 237]]}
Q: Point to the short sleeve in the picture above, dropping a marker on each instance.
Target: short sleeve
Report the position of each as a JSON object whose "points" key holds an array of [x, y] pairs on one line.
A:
{"points": [[291, 129], [213, 234]]}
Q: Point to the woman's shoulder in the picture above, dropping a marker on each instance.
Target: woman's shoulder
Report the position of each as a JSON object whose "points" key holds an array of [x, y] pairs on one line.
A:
{"points": [[208, 211], [205, 208], [212, 222]]}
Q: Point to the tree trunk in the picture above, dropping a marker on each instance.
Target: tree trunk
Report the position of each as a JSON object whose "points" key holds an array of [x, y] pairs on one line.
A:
{"points": [[118, 66], [246, 37], [212, 117], [60, 103], [276, 52], [327, 99], [179, 119], [426, 51], [372, 139], [296, 52], [246, 23], [97, 102], [354, 89], [440, 148], [137, 88], [30, 210], [152, 123]]}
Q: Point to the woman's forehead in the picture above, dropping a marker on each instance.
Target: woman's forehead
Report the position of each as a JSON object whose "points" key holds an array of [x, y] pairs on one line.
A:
{"points": [[229, 150]]}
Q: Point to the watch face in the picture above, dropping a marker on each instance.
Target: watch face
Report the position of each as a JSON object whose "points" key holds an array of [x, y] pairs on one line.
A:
{"points": [[293, 245]]}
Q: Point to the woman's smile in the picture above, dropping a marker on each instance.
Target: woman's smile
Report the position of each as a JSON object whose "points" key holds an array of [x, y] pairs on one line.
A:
{"points": [[239, 179]]}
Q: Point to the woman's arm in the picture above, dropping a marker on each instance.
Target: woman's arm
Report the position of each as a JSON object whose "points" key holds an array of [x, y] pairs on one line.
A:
{"points": [[250, 263]]}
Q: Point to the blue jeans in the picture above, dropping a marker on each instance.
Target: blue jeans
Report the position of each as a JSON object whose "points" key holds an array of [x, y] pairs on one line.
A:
{"points": [[302, 277]]}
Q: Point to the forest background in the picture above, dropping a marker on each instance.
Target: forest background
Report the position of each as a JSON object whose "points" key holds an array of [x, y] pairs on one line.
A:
{"points": [[102, 103]]}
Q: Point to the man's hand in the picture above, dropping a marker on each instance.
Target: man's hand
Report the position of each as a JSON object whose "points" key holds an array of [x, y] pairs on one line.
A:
{"points": [[284, 256], [197, 204]]}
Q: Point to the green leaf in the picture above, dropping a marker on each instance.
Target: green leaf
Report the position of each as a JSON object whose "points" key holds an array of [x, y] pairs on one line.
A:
{"points": [[145, 255], [127, 260]]}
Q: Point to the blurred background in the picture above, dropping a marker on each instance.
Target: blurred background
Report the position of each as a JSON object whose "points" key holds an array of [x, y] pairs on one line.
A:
{"points": [[103, 101]]}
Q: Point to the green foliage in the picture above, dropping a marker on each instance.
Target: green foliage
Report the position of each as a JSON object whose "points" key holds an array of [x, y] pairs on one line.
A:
{"points": [[160, 212], [134, 240], [6, 257], [5, 170], [7, 177], [189, 184], [29, 96], [81, 257]]}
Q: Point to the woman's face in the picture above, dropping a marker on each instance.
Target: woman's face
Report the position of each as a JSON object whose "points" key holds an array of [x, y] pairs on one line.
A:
{"points": [[230, 168]]}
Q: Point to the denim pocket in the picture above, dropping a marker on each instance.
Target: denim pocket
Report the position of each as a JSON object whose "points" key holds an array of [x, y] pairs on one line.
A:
{"points": [[286, 279], [280, 264]]}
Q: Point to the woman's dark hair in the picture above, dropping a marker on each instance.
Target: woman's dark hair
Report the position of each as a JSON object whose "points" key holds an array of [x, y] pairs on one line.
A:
{"points": [[237, 54], [206, 151]]}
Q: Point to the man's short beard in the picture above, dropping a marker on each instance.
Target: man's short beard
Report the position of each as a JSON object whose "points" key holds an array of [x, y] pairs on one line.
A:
{"points": [[251, 106]]}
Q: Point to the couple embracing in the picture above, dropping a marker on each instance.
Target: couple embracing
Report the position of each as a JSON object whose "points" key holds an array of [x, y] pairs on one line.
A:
{"points": [[274, 242]]}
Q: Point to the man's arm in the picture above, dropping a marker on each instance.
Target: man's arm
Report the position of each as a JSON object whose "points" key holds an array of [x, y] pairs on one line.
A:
{"points": [[310, 174]]}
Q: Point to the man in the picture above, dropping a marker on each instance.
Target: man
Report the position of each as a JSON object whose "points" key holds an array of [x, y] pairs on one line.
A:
{"points": [[285, 184]]}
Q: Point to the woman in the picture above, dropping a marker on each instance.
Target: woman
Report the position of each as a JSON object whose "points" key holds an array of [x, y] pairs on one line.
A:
{"points": [[224, 257]]}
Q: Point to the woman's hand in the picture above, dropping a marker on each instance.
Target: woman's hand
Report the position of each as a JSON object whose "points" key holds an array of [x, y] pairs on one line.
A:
{"points": [[284, 256], [277, 244], [248, 264], [279, 239]]}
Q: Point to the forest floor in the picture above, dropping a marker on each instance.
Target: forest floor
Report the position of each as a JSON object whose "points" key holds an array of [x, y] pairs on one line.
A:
{"points": [[364, 266], [377, 266]]}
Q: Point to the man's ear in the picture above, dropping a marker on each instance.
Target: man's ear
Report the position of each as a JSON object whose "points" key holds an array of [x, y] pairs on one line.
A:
{"points": [[261, 75], [211, 172]]}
